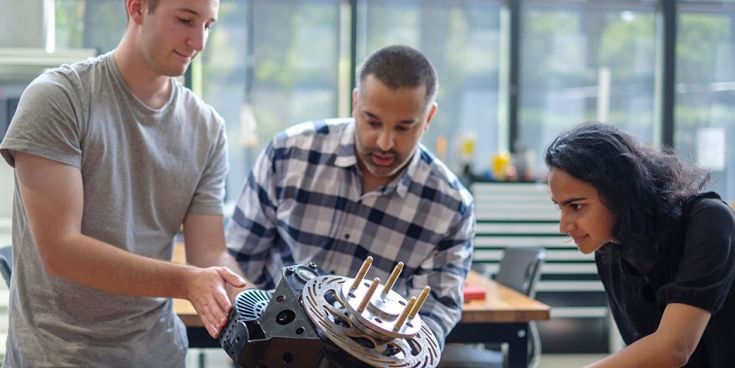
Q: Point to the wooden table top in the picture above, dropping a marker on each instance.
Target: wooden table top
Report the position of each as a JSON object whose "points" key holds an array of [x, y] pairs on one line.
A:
{"points": [[501, 303]]}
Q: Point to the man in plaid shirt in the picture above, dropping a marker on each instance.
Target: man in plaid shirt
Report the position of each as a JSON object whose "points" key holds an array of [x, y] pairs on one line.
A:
{"points": [[337, 191]]}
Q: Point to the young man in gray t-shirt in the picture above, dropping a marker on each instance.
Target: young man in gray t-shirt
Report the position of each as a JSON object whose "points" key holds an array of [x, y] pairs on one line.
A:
{"points": [[112, 156]]}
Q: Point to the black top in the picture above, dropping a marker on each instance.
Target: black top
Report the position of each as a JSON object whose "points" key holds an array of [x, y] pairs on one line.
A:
{"points": [[696, 267]]}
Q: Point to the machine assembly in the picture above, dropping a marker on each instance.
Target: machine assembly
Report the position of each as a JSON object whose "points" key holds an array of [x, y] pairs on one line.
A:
{"points": [[313, 319]]}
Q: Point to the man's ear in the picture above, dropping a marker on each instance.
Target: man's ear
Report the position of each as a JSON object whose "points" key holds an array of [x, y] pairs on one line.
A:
{"points": [[354, 101], [430, 116], [135, 10]]}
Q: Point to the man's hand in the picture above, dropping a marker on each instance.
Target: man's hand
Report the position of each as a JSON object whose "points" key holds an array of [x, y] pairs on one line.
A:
{"points": [[207, 291], [232, 291]]}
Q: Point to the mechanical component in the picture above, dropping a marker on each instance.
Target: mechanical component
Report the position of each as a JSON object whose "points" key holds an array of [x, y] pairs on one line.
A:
{"points": [[250, 304], [327, 321]]}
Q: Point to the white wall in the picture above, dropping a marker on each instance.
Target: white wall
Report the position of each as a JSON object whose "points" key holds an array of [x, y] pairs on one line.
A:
{"points": [[6, 190], [21, 23], [21, 26], [6, 202]]}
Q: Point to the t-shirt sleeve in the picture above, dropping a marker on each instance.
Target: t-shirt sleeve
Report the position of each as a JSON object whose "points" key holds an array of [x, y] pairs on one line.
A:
{"points": [[707, 267], [46, 122]]}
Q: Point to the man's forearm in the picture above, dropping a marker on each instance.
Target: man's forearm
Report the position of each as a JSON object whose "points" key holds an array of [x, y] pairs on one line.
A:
{"points": [[88, 261]]}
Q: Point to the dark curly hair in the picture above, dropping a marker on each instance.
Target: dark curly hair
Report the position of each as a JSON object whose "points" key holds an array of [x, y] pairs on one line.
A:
{"points": [[642, 186]]}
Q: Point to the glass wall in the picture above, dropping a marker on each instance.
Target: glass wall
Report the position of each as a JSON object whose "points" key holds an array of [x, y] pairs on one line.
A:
{"points": [[705, 91], [463, 41], [274, 63], [270, 65], [96, 24], [583, 61]]}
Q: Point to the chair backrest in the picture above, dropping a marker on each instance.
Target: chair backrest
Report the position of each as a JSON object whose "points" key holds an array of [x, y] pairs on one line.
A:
{"points": [[520, 268], [6, 263]]}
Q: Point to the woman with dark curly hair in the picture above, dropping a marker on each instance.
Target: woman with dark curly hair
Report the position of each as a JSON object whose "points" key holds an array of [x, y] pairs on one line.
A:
{"points": [[665, 251]]}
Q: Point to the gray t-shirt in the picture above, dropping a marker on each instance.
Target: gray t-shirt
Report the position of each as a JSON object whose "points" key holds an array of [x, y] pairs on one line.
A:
{"points": [[143, 171]]}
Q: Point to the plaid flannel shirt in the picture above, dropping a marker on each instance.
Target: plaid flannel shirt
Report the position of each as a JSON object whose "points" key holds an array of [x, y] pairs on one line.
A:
{"points": [[303, 202]]}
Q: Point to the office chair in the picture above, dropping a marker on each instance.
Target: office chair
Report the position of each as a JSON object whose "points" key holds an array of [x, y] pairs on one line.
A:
{"points": [[520, 269], [6, 263]]}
